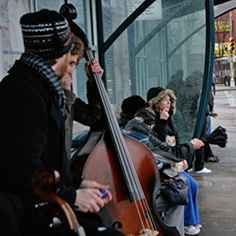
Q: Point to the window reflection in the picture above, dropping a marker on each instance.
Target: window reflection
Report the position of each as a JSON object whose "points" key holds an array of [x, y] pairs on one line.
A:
{"points": [[166, 52]]}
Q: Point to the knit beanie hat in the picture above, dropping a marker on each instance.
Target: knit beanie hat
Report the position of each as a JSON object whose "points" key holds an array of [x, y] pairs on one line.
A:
{"points": [[148, 116], [46, 33], [132, 104], [153, 92]]}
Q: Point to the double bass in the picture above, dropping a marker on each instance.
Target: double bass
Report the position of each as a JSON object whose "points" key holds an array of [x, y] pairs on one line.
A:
{"points": [[125, 164]]}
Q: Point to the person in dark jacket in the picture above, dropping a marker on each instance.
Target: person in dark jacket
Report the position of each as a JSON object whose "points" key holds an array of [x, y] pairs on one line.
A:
{"points": [[208, 153], [77, 110], [129, 107], [32, 135], [163, 103], [144, 122], [145, 126]]}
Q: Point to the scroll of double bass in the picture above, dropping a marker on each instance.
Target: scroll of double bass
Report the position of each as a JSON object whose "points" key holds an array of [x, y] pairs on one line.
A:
{"points": [[123, 163], [64, 220]]}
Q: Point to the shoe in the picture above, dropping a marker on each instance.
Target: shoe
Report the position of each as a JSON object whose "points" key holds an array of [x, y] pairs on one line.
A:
{"points": [[190, 170], [198, 226], [212, 159], [203, 171], [191, 230]]}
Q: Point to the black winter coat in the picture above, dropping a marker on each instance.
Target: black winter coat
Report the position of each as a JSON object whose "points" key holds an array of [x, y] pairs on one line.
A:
{"points": [[166, 127], [177, 153], [32, 134]]}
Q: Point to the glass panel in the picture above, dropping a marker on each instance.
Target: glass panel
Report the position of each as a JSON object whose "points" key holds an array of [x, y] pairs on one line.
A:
{"points": [[11, 41], [51, 5], [167, 52], [115, 12]]}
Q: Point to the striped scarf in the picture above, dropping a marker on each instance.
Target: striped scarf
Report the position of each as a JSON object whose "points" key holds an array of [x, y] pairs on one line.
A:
{"points": [[49, 76]]}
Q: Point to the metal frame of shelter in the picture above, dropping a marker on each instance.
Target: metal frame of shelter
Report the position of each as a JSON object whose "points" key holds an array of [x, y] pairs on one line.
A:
{"points": [[209, 52]]}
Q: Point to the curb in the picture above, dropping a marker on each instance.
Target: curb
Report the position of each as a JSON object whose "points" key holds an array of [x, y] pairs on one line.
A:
{"points": [[225, 88]]}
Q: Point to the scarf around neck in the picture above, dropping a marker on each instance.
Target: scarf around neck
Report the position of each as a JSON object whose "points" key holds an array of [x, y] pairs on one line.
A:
{"points": [[48, 75]]}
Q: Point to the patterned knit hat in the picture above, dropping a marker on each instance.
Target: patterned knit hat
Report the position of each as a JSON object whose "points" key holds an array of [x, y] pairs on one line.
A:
{"points": [[46, 33]]}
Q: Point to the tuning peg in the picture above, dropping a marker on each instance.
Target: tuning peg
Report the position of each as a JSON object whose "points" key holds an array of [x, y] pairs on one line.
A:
{"points": [[56, 222]]}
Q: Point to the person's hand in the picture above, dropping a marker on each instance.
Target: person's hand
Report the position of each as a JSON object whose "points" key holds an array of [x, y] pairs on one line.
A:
{"points": [[95, 68], [87, 183], [213, 114], [164, 114], [185, 165], [88, 196], [197, 143], [66, 81]]}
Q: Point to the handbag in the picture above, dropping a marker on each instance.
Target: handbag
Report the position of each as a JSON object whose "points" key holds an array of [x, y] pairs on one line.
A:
{"points": [[177, 190]]}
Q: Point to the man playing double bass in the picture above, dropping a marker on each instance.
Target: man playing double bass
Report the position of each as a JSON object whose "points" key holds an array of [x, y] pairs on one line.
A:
{"points": [[32, 133]]}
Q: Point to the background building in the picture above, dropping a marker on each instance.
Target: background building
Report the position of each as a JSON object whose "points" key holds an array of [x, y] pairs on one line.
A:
{"points": [[225, 28]]}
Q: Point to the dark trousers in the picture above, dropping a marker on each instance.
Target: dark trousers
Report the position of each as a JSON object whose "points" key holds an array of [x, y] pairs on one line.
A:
{"points": [[214, 88], [12, 213], [18, 216], [199, 159], [199, 154], [207, 151]]}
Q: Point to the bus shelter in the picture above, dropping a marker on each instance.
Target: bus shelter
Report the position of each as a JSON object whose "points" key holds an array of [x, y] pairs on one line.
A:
{"points": [[140, 44]]}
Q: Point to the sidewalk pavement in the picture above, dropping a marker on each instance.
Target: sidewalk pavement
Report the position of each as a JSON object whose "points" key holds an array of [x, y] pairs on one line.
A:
{"points": [[217, 191], [222, 87]]}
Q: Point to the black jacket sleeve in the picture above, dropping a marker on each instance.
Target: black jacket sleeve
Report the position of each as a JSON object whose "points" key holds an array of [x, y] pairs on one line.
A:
{"points": [[177, 153], [88, 114]]}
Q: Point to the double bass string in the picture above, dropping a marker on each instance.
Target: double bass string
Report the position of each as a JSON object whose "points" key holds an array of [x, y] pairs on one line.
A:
{"points": [[134, 187]]}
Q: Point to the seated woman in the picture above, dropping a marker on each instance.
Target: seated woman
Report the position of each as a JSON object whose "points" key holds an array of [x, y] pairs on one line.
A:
{"points": [[143, 122], [163, 104]]}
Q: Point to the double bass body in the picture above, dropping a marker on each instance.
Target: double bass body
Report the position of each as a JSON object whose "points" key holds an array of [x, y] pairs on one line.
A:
{"points": [[103, 166]]}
